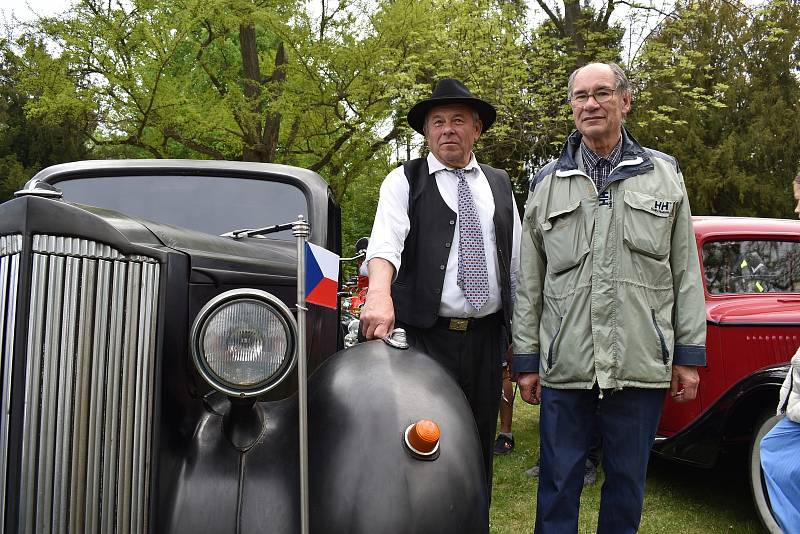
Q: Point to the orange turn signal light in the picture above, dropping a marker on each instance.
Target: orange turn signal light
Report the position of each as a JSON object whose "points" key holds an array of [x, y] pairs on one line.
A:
{"points": [[422, 438]]}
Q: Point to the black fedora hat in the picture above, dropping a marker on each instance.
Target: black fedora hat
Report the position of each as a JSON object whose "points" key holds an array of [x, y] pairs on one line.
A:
{"points": [[450, 91]]}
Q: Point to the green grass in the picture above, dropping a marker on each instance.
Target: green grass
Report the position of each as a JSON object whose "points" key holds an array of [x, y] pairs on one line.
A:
{"points": [[678, 499]]}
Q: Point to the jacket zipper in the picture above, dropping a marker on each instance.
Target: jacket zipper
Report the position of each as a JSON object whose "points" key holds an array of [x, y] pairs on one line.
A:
{"points": [[553, 344], [664, 351]]}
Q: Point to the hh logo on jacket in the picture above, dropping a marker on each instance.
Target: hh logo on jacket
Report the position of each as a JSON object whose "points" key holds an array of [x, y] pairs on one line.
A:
{"points": [[662, 206]]}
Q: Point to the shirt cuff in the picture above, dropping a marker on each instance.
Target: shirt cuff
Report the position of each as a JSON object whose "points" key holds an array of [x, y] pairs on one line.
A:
{"points": [[689, 355], [525, 363]]}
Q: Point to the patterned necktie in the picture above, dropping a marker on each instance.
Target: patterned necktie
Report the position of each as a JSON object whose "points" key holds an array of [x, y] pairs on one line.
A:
{"points": [[472, 276]]}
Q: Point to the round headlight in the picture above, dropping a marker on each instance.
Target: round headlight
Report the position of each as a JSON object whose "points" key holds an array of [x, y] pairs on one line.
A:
{"points": [[244, 342]]}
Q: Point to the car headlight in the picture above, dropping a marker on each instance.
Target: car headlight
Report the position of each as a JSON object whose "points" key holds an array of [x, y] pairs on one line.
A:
{"points": [[244, 342]]}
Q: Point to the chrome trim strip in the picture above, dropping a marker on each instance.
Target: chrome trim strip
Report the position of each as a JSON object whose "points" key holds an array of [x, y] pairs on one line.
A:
{"points": [[112, 392], [148, 399], [97, 384], [5, 383], [9, 279], [127, 404], [140, 427], [83, 374], [30, 428], [65, 408], [48, 396]]}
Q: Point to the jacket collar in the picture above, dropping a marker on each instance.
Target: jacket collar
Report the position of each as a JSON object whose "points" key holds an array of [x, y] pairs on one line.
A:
{"points": [[635, 159]]}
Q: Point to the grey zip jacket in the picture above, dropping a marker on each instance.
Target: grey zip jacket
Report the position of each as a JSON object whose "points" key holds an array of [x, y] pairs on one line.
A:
{"points": [[609, 289]]}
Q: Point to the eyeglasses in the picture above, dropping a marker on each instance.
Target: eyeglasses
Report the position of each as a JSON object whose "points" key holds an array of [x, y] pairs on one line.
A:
{"points": [[600, 96]]}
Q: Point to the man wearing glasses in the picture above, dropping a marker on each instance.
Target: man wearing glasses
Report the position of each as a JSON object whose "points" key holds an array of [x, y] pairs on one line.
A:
{"points": [[609, 312]]}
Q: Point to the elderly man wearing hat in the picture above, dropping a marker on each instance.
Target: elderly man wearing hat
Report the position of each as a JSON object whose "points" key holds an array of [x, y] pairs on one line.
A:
{"points": [[443, 253]]}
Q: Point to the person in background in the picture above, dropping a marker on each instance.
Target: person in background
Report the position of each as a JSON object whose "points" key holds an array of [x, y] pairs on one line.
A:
{"points": [[504, 443], [443, 254], [609, 314], [780, 448]]}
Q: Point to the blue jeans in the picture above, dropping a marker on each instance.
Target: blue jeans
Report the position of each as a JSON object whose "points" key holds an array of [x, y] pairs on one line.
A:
{"points": [[627, 420]]}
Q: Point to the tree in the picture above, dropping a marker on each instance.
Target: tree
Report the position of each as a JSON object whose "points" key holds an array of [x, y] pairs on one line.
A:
{"points": [[530, 87], [327, 89], [718, 88], [242, 79], [586, 33], [30, 140]]}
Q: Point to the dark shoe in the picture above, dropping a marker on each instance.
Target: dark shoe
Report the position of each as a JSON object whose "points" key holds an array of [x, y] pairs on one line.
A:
{"points": [[503, 444]]}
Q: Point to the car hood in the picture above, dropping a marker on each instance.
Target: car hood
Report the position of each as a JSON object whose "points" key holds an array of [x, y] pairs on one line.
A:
{"points": [[129, 235], [272, 256], [211, 253]]}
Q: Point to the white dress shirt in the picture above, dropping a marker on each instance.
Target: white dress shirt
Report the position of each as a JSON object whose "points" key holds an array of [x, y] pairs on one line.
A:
{"points": [[392, 225]]}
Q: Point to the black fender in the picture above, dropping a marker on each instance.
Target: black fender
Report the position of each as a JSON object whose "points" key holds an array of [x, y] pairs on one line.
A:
{"points": [[361, 476], [729, 419]]}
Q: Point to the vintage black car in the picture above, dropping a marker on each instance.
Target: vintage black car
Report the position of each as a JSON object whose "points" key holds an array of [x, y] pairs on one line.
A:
{"points": [[148, 376]]}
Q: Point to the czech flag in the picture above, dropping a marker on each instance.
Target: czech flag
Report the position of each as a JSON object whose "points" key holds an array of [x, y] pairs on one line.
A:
{"points": [[322, 276]]}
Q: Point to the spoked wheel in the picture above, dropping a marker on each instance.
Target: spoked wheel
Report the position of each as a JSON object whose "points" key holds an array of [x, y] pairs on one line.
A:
{"points": [[756, 477]]}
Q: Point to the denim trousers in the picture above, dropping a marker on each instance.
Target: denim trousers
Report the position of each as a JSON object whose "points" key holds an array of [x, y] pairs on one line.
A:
{"points": [[627, 420]]}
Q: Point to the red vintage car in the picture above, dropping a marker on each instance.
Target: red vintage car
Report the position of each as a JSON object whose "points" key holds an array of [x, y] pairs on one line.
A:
{"points": [[752, 290]]}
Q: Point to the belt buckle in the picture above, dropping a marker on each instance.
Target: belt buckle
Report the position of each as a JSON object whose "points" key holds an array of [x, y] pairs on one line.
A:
{"points": [[459, 325]]}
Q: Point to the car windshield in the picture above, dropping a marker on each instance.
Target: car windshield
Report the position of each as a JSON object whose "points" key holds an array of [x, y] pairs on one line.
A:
{"points": [[752, 266], [211, 204]]}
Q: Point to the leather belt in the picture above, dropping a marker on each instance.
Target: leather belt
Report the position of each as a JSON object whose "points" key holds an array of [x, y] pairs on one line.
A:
{"points": [[465, 324]]}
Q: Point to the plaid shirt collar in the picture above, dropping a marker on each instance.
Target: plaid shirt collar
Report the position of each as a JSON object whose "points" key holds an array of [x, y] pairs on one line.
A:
{"points": [[599, 167]]}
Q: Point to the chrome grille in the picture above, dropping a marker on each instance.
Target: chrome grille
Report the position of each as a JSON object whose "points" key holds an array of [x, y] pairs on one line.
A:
{"points": [[10, 249], [88, 391]]}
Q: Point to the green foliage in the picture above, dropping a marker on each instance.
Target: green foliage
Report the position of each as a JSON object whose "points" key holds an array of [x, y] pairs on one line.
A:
{"points": [[327, 88], [719, 89], [358, 207], [30, 139]]}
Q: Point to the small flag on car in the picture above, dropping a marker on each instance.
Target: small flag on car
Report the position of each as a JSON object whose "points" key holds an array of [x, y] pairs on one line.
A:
{"points": [[322, 276]]}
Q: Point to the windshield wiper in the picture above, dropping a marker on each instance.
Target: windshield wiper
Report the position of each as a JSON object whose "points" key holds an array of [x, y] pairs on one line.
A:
{"points": [[252, 232]]}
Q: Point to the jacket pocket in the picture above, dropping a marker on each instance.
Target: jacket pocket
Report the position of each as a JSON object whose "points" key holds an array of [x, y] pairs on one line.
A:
{"points": [[664, 349], [564, 238], [647, 224], [551, 351]]}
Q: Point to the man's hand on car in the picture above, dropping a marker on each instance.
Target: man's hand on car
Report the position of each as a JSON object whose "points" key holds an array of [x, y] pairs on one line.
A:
{"points": [[377, 316]]}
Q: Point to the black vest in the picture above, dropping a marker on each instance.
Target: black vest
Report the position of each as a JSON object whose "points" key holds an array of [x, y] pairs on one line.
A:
{"points": [[417, 290]]}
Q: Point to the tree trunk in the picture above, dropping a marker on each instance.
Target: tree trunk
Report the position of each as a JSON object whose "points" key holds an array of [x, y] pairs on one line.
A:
{"points": [[251, 123], [575, 27], [272, 124]]}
